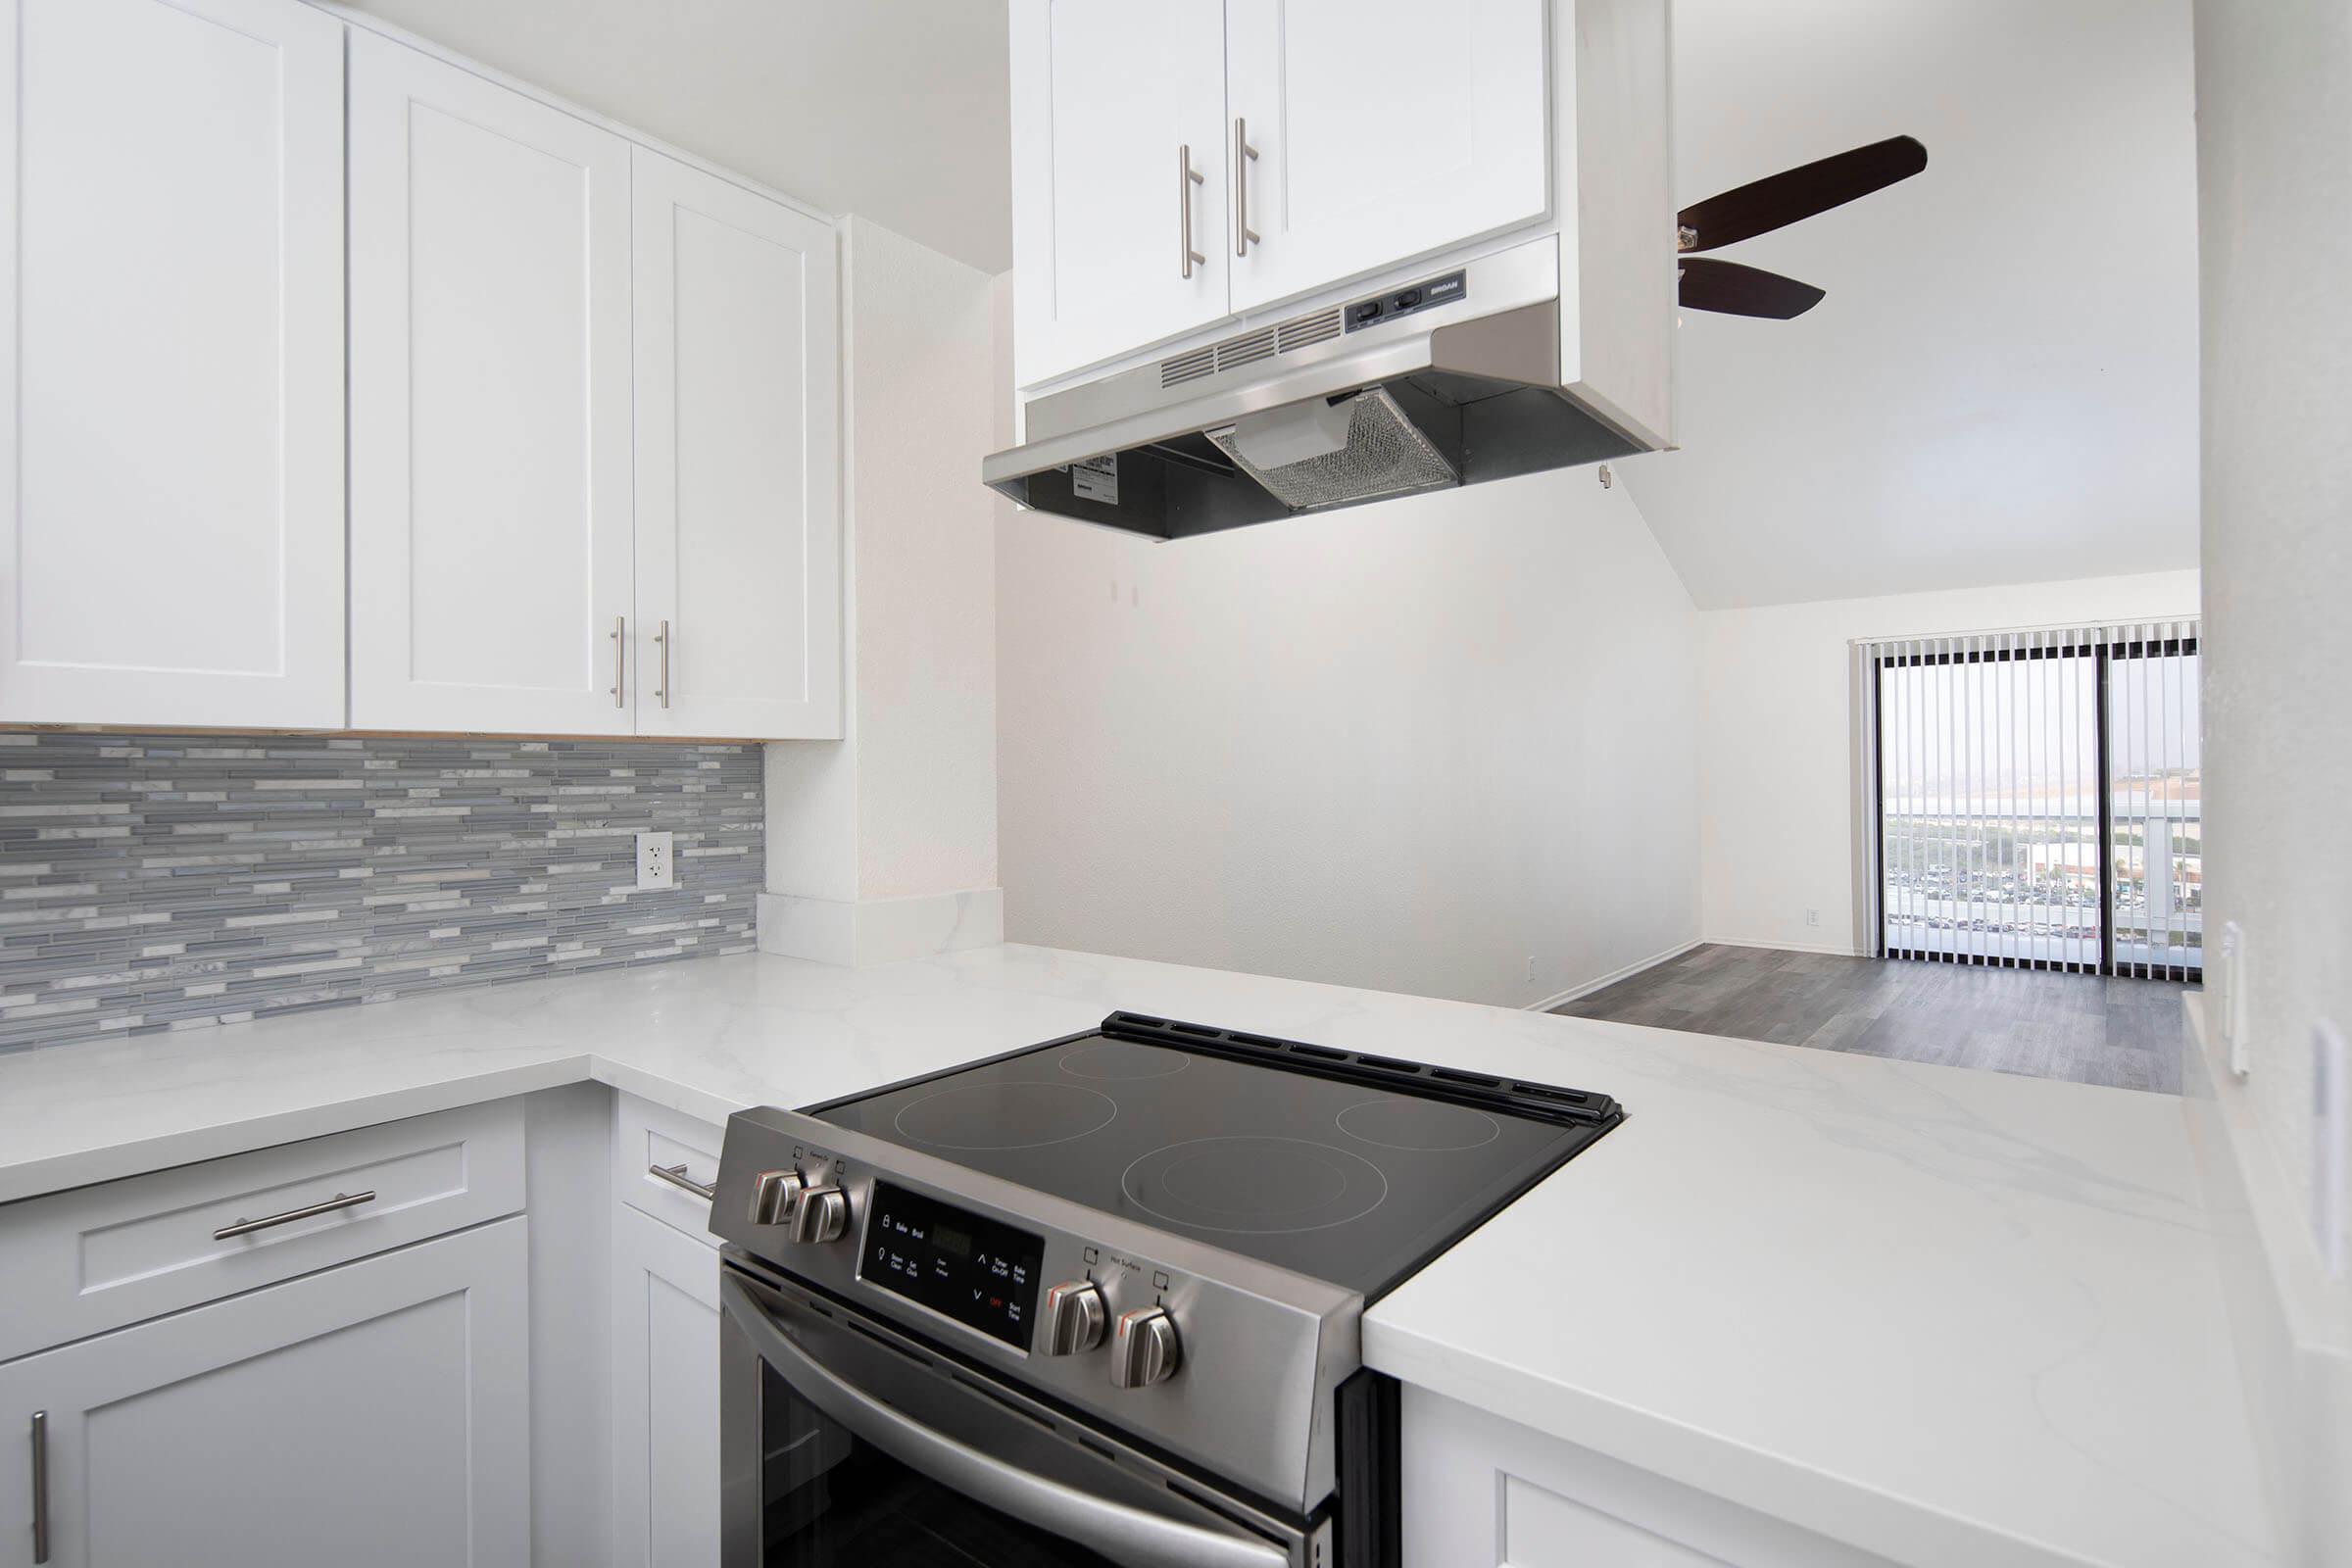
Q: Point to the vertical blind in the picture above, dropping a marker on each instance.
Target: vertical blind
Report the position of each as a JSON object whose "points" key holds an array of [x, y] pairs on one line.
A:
{"points": [[2032, 798]]}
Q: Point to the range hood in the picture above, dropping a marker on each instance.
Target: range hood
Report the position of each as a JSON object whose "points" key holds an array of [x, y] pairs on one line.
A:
{"points": [[1430, 383]]}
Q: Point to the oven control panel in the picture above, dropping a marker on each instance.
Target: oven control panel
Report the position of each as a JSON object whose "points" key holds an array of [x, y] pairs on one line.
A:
{"points": [[979, 1272]]}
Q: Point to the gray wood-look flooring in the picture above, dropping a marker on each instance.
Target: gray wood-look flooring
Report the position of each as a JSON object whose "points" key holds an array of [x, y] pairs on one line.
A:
{"points": [[2127, 1033]]}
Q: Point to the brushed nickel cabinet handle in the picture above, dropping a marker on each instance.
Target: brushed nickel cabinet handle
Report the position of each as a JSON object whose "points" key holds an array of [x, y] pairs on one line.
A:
{"points": [[621, 659], [1243, 155], [40, 1486], [676, 1176], [246, 1227], [1186, 176], [661, 641]]}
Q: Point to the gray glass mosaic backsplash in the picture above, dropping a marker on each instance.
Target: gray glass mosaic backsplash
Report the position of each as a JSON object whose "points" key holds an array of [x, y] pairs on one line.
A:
{"points": [[155, 882]]}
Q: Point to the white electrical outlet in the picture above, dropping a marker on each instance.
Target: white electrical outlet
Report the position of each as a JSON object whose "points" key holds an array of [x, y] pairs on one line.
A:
{"points": [[1812, 917], [2330, 1141], [1530, 968], [655, 868]]}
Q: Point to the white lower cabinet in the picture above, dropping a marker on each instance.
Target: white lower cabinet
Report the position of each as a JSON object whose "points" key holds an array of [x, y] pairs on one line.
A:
{"points": [[373, 1413], [665, 1396], [1479, 1489]]}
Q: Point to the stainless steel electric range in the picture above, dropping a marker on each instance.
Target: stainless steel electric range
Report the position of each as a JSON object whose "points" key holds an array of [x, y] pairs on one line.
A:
{"points": [[1096, 1300]]}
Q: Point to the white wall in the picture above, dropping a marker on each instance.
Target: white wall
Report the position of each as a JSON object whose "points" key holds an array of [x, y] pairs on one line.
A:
{"points": [[2275, 169], [1776, 760], [2275, 152], [1404, 746], [905, 805]]}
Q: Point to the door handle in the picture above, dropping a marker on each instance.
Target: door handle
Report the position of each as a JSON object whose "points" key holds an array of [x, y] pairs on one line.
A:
{"points": [[620, 660], [1120, 1533], [1186, 176], [661, 641], [40, 1486], [1243, 155]]}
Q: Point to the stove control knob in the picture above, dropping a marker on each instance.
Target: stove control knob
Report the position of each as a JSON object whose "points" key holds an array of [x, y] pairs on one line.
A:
{"points": [[1074, 1315], [823, 1215], [775, 1195], [1144, 1351]]}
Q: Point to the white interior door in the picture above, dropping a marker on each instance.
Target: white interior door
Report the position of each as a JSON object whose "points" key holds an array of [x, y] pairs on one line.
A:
{"points": [[171, 363], [1384, 129], [490, 490], [665, 1397], [375, 1415], [738, 460], [1105, 96]]}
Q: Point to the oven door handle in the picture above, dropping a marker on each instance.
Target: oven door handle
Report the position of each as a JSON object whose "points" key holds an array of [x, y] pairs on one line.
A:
{"points": [[1124, 1535]]}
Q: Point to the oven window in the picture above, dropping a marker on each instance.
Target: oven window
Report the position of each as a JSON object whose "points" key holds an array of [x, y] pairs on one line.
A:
{"points": [[831, 1500]]}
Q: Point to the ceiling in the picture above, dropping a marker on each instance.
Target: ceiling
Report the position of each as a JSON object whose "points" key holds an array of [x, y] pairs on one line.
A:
{"points": [[895, 109], [2002, 385]]}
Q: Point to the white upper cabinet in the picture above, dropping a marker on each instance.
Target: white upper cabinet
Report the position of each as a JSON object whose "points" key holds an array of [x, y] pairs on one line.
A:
{"points": [[172, 361], [1120, 148], [738, 582], [1383, 129], [490, 406]]}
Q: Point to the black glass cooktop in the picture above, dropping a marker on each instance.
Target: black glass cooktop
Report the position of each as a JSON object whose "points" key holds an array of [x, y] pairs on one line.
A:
{"points": [[1349, 1168]]}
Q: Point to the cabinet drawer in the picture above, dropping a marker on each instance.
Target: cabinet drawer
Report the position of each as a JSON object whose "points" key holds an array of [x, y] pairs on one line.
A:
{"points": [[98, 1258], [646, 1137]]}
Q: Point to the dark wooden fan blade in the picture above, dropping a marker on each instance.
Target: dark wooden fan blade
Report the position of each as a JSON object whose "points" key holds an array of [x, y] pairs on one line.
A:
{"points": [[1734, 290], [1777, 200]]}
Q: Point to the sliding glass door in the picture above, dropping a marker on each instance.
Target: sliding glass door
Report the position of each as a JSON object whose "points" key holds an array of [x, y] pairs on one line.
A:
{"points": [[2037, 799], [2155, 810]]}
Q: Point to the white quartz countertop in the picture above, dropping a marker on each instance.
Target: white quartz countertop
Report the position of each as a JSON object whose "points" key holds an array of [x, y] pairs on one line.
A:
{"points": [[1947, 1316]]}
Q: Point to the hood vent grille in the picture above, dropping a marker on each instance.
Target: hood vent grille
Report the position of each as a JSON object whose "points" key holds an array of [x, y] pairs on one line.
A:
{"points": [[1307, 331], [1301, 332]]}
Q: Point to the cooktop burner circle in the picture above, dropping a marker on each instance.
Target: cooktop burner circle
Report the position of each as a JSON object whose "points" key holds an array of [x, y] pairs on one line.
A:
{"points": [[1004, 1115], [1254, 1185], [1122, 1059], [1420, 1126]]}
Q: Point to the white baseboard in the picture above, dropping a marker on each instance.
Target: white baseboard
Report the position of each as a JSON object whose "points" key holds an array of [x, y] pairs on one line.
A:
{"points": [[1836, 949], [2290, 1321], [1612, 977], [880, 930]]}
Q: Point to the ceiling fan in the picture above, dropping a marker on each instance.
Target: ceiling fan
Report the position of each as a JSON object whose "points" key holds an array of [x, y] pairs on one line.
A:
{"points": [[1775, 202]]}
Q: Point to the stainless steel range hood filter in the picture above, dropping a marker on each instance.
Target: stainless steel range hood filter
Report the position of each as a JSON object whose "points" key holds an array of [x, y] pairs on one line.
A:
{"points": [[1383, 455]]}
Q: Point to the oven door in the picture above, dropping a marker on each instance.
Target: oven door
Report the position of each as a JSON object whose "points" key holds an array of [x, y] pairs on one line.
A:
{"points": [[845, 1444]]}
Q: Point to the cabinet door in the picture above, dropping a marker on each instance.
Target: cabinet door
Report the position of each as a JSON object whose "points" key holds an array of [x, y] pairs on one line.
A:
{"points": [[490, 573], [1104, 95], [376, 1413], [1383, 130], [665, 1397], [738, 460], [171, 363]]}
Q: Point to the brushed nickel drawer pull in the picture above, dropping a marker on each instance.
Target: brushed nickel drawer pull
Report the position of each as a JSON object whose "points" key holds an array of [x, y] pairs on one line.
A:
{"points": [[676, 1176], [40, 1486], [663, 638], [246, 1227], [620, 660]]}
